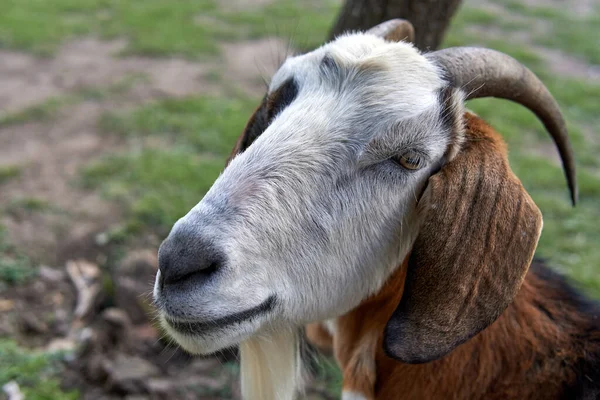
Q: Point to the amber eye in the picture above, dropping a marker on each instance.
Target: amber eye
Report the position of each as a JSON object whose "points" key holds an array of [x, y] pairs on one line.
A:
{"points": [[411, 161]]}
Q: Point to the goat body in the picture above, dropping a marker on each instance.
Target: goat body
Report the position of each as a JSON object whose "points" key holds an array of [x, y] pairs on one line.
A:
{"points": [[546, 345]]}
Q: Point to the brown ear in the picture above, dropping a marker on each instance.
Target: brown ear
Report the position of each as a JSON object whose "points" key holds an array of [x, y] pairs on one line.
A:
{"points": [[479, 232], [256, 125]]}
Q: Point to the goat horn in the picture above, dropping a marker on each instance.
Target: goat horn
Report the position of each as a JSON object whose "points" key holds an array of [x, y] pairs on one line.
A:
{"points": [[394, 30], [488, 73]]}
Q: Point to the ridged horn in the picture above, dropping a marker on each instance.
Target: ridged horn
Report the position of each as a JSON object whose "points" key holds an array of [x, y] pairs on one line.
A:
{"points": [[483, 72]]}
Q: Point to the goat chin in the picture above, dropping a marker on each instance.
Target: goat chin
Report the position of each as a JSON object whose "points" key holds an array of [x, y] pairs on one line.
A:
{"points": [[271, 366]]}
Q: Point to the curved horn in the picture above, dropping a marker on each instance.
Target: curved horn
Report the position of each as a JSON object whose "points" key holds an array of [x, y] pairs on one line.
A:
{"points": [[394, 30], [488, 73]]}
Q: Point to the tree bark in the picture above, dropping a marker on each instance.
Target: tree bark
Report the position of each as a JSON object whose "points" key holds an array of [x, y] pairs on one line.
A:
{"points": [[430, 18]]}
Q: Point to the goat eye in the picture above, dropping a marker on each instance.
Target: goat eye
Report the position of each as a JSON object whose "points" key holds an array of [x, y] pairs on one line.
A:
{"points": [[410, 161]]}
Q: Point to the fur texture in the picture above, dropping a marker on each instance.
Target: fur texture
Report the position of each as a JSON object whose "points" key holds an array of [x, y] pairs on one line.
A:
{"points": [[319, 204], [545, 345], [271, 365], [478, 234]]}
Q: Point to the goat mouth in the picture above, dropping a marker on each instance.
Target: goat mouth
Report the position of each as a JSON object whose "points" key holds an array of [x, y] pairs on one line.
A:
{"points": [[199, 328]]}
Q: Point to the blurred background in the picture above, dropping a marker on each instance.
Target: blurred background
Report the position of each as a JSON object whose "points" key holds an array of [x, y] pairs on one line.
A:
{"points": [[117, 115]]}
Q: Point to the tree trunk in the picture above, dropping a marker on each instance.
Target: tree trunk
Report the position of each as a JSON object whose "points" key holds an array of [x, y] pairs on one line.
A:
{"points": [[429, 17]]}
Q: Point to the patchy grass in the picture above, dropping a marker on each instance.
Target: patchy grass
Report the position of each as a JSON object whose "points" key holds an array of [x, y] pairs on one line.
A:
{"points": [[160, 184], [305, 23], [209, 124], [35, 372], [157, 186], [574, 34], [15, 268], [27, 205], [154, 27], [554, 26], [51, 108], [578, 36], [45, 110], [9, 172], [119, 87]]}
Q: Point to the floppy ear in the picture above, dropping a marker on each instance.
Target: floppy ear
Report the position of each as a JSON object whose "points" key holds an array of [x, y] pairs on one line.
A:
{"points": [[479, 231], [256, 125]]}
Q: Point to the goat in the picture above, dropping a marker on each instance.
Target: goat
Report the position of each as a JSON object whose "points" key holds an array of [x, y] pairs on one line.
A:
{"points": [[362, 193]]}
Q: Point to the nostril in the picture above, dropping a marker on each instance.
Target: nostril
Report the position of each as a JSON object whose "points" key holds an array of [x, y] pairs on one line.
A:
{"points": [[211, 269], [185, 254], [161, 281], [187, 273]]}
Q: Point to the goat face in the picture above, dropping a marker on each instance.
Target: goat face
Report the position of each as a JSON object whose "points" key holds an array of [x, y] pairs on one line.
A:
{"points": [[358, 155], [316, 213]]}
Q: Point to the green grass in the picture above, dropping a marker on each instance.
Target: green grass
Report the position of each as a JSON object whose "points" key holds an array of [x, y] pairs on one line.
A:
{"points": [[151, 27], [578, 36], [9, 172], [28, 205], [209, 124], [45, 110], [573, 34], [305, 23], [157, 186], [35, 372], [121, 86], [327, 374], [160, 184], [51, 108], [15, 268], [191, 28]]}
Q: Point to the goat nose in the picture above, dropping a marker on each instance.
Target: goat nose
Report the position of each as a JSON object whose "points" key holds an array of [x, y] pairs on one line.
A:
{"points": [[185, 254]]}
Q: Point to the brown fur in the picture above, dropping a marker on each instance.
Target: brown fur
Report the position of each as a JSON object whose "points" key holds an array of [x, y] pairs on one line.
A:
{"points": [[541, 346], [254, 127], [478, 234], [525, 354]]}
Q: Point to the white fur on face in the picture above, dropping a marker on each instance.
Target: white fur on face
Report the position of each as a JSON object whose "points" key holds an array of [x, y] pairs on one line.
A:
{"points": [[314, 214]]}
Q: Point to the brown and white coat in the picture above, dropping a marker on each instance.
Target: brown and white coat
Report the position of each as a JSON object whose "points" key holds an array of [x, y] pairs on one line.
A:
{"points": [[359, 160]]}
